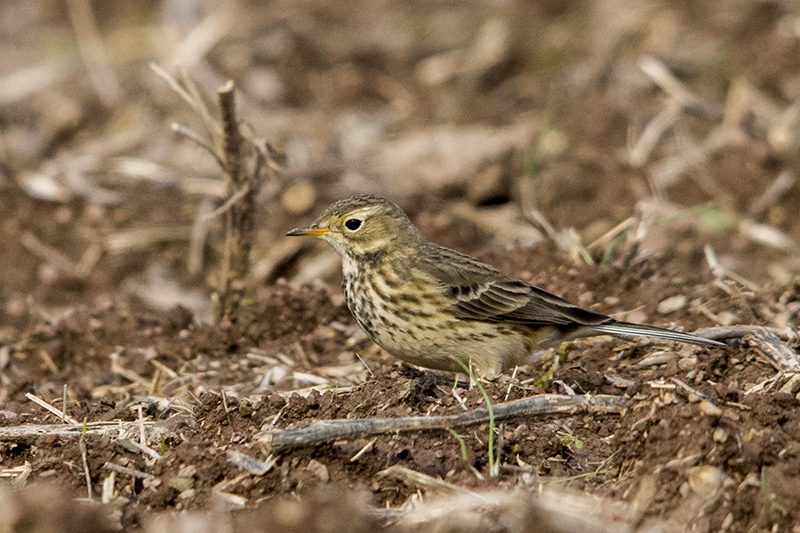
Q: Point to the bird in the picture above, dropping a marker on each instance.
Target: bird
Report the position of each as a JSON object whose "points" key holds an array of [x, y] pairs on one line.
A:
{"points": [[437, 308]]}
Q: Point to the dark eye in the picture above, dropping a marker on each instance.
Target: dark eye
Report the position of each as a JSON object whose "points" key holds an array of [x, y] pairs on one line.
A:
{"points": [[352, 224]]}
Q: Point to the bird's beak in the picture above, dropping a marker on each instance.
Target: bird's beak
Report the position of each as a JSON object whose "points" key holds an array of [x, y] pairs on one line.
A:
{"points": [[311, 229]]}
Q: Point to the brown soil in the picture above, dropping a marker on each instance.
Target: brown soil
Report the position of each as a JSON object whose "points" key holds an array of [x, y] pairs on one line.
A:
{"points": [[294, 355]]}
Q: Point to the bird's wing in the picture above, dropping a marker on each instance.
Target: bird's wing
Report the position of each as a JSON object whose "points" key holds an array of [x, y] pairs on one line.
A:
{"points": [[480, 292], [513, 300]]}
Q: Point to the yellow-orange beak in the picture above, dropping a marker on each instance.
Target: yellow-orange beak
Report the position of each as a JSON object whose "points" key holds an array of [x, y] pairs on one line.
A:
{"points": [[311, 229]]}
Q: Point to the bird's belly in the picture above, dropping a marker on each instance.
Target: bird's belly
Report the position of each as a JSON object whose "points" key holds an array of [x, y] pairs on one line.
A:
{"points": [[487, 348], [418, 328]]}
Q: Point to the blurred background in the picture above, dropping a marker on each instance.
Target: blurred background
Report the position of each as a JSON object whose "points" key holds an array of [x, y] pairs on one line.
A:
{"points": [[616, 129], [638, 157]]}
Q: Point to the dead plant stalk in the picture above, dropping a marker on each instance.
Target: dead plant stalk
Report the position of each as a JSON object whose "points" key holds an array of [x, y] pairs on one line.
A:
{"points": [[242, 162], [239, 217]]}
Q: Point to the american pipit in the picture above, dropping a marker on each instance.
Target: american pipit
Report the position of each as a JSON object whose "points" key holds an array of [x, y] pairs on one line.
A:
{"points": [[426, 304]]}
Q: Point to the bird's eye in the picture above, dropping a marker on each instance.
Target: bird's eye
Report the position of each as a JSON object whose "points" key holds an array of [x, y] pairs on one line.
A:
{"points": [[352, 224]]}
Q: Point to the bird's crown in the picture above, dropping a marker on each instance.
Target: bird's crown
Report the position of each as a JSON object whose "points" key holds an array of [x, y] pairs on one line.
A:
{"points": [[361, 204]]}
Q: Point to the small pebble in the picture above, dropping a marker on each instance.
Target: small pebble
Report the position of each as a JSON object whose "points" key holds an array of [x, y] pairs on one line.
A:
{"points": [[187, 471], [636, 316], [319, 470], [47, 274], [705, 479], [671, 304], [226, 500], [554, 143], [181, 484], [687, 363], [708, 408]]}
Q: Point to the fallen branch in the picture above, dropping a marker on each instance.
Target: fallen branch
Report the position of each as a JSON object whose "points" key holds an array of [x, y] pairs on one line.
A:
{"points": [[332, 430]]}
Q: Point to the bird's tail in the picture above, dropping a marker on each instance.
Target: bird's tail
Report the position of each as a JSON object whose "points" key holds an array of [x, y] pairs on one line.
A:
{"points": [[641, 330]]}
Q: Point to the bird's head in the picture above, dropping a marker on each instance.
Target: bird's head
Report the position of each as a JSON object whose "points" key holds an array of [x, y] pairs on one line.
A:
{"points": [[362, 224]]}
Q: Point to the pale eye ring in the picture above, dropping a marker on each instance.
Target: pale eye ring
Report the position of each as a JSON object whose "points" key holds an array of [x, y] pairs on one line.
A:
{"points": [[352, 224]]}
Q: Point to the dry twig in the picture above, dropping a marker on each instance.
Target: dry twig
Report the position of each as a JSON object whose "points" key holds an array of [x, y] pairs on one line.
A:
{"points": [[782, 183], [135, 239], [72, 429], [418, 480], [60, 414], [720, 272], [58, 260], [671, 85], [18, 474], [129, 471], [82, 447], [773, 350], [92, 50]]}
